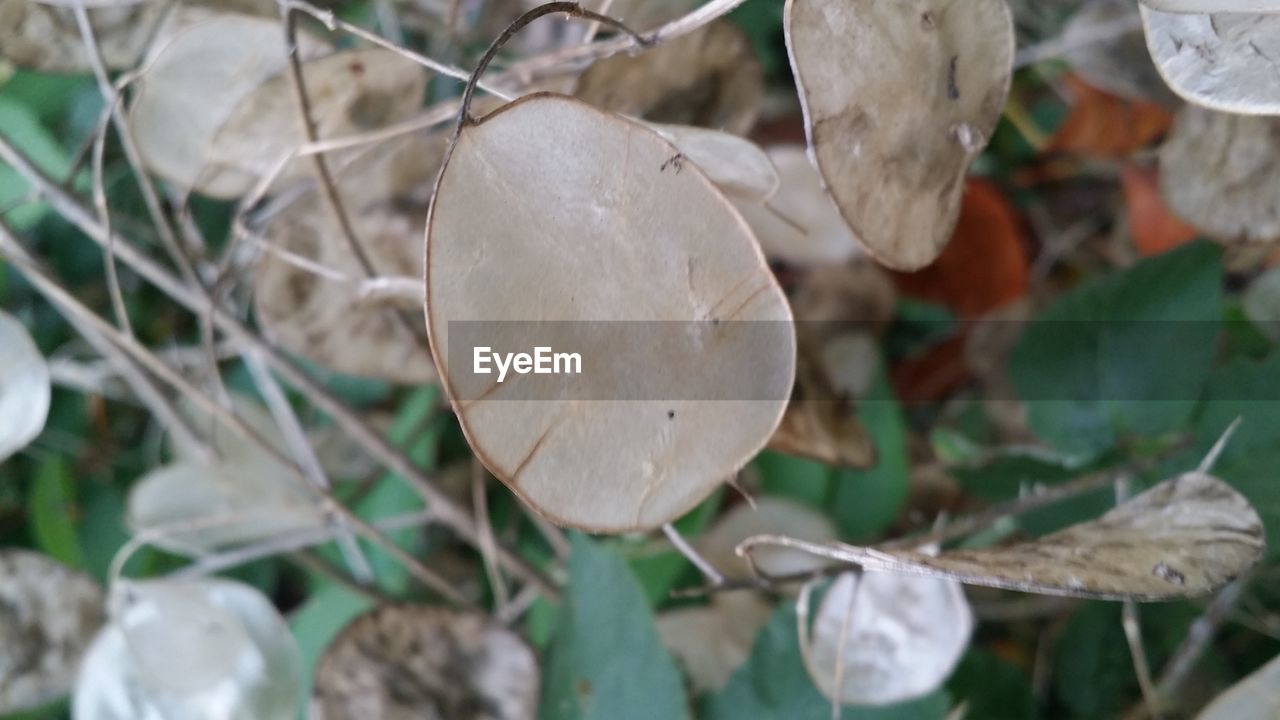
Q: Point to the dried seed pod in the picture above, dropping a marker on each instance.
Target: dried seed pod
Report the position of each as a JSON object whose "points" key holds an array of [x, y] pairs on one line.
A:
{"points": [[899, 98], [1225, 61], [550, 210], [799, 224], [710, 78], [25, 389], [320, 314], [197, 73], [198, 649], [1220, 172], [48, 615], [350, 92], [879, 639], [45, 37], [403, 662]]}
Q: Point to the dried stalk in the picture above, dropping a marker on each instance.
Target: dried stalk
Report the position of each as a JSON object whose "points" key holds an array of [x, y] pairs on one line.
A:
{"points": [[448, 512]]}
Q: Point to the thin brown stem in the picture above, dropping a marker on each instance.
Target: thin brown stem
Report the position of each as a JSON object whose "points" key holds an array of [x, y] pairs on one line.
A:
{"points": [[378, 447], [571, 9]]}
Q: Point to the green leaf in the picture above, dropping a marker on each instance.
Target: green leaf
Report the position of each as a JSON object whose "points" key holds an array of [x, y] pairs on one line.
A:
{"points": [[315, 624], [795, 478], [1245, 389], [866, 502], [52, 507], [606, 661], [993, 689], [102, 530], [1125, 353], [1093, 671], [773, 685], [20, 126]]}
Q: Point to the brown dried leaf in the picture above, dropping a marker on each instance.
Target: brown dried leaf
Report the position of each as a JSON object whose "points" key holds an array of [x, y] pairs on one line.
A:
{"points": [[840, 309], [350, 92], [44, 37], [899, 98], [404, 662], [1224, 61], [48, 615], [799, 224], [323, 318], [892, 638], [195, 76], [710, 78], [1220, 173], [1185, 537], [551, 210], [821, 421], [711, 642]]}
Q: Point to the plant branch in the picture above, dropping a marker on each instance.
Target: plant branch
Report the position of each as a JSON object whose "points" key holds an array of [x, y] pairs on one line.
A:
{"points": [[448, 512]]}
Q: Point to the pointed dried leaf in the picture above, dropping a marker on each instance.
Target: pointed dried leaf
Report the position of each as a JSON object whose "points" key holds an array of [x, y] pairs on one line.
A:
{"points": [[899, 98], [194, 78], [551, 210], [190, 649], [1224, 61], [1220, 172], [1185, 537], [322, 317], [350, 92], [1253, 698], [709, 77], [25, 388], [424, 663], [799, 224], [879, 639], [48, 615]]}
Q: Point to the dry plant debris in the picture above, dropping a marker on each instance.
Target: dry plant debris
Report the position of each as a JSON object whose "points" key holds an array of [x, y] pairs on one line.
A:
{"points": [[196, 76], [1218, 172], [320, 314], [899, 98], [350, 92], [708, 78], [403, 662], [48, 615]]}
